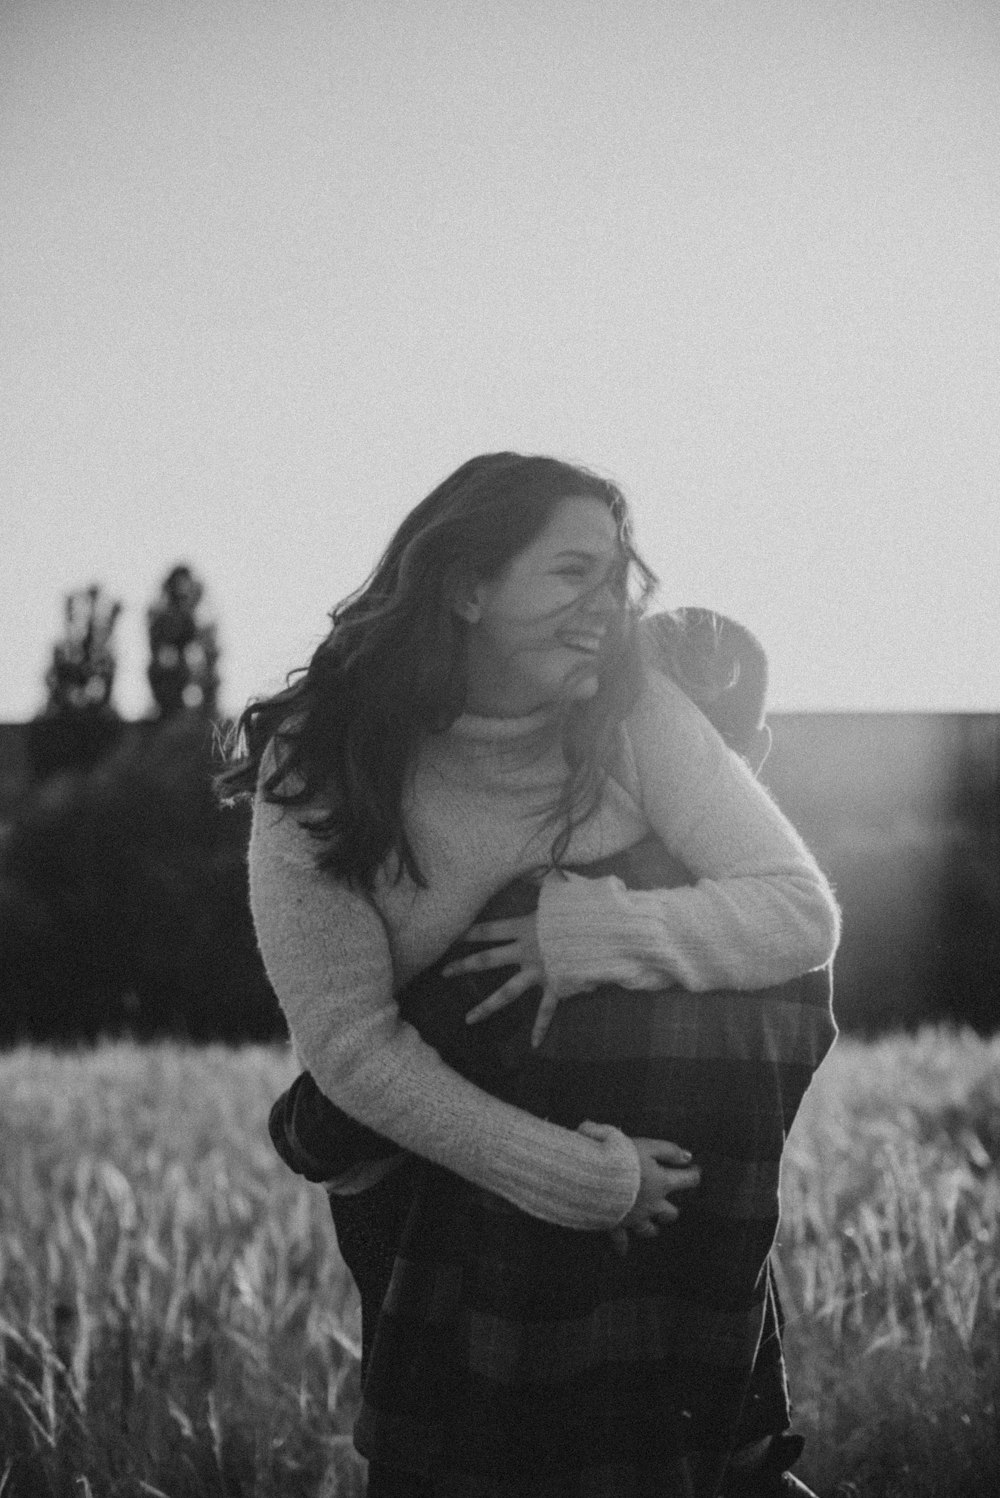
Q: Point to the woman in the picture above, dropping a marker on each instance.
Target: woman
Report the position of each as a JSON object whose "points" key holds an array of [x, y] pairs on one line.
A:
{"points": [[481, 711]]}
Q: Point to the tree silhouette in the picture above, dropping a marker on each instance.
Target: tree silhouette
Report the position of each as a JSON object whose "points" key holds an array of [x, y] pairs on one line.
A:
{"points": [[183, 650], [82, 674], [79, 723]]}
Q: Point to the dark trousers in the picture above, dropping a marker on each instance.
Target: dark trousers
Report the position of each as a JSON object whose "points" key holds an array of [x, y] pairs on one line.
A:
{"points": [[370, 1224]]}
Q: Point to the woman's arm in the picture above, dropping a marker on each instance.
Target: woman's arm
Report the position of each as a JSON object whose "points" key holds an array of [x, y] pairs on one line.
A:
{"points": [[761, 911], [327, 956]]}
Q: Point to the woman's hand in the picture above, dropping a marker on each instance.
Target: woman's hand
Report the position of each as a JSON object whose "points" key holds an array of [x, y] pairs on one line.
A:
{"points": [[520, 949], [664, 1168]]}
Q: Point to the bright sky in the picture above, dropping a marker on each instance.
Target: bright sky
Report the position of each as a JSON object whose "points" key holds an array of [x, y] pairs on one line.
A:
{"points": [[269, 269]]}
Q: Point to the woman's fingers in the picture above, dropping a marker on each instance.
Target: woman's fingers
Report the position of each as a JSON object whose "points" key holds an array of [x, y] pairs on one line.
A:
{"points": [[543, 1019], [508, 930], [493, 1004], [518, 939], [660, 1214], [619, 1241], [511, 990], [664, 1151], [664, 1209], [480, 962], [683, 1180], [665, 1168]]}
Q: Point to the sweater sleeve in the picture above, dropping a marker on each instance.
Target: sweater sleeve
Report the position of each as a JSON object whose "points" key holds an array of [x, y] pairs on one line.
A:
{"points": [[327, 955], [760, 911]]}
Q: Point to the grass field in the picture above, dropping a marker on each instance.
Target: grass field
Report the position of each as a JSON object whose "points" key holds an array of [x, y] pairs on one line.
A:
{"points": [[174, 1318]]}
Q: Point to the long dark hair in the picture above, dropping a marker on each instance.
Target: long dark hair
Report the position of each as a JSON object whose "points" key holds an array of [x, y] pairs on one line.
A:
{"points": [[346, 728]]}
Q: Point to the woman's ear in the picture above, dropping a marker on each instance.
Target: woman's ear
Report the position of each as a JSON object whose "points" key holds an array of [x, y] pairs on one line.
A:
{"points": [[468, 609], [464, 595]]}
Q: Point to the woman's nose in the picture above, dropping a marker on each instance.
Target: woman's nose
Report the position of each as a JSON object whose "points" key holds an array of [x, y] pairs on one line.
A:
{"points": [[602, 601]]}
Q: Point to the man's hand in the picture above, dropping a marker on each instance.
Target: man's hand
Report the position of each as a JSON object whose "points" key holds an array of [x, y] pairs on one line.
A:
{"points": [[520, 949]]}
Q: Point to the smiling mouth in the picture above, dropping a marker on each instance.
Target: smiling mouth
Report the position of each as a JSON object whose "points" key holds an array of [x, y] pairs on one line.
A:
{"points": [[586, 644]]}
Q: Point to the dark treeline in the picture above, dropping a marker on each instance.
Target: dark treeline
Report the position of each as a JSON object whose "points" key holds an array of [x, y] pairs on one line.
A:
{"points": [[903, 813], [123, 903]]}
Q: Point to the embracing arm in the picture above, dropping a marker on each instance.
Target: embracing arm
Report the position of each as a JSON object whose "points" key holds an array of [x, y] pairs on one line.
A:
{"points": [[327, 955], [761, 911]]}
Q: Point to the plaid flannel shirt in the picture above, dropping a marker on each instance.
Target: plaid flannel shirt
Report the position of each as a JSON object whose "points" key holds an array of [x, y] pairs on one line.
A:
{"points": [[508, 1356]]}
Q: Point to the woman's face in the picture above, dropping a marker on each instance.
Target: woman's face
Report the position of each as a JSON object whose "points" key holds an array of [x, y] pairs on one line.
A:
{"points": [[537, 630]]}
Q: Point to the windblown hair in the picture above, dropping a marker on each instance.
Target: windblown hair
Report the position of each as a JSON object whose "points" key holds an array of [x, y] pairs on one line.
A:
{"points": [[345, 730]]}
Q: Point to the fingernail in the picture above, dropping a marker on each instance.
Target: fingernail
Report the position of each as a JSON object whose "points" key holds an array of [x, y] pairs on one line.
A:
{"points": [[685, 1155]]}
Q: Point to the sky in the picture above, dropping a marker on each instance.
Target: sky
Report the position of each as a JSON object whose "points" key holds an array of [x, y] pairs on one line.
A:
{"points": [[270, 269]]}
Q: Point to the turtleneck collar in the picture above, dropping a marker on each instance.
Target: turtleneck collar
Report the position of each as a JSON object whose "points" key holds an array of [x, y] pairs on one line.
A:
{"points": [[473, 728], [528, 745]]}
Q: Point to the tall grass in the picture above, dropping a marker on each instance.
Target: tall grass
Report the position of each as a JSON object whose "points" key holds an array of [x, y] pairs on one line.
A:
{"points": [[174, 1318], [890, 1256]]}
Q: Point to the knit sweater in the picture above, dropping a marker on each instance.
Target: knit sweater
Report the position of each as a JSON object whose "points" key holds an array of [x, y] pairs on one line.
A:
{"points": [[759, 913]]}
